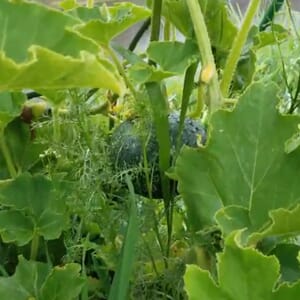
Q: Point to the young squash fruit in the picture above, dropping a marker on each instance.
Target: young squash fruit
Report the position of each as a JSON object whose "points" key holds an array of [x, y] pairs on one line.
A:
{"points": [[134, 148]]}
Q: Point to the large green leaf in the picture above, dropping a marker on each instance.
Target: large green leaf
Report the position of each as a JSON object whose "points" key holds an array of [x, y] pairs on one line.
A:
{"points": [[240, 273], [40, 50], [220, 28], [195, 185], [244, 166], [283, 221], [24, 149], [10, 107], [34, 280], [62, 283], [177, 12], [104, 23], [183, 55], [289, 265], [24, 24], [32, 205]]}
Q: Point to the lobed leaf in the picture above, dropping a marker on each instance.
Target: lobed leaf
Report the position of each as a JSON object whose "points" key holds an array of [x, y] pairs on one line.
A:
{"points": [[240, 273], [49, 54], [104, 23], [32, 205], [220, 27], [244, 166], [10, 107], [35, 280], [183, 55], [289, 265], [62, 283]]}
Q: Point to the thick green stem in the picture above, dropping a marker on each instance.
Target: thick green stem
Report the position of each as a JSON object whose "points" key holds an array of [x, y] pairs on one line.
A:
{"points": [[84, 291], [207, 58], [122, 71], [268, 17], [196, 113], [56, 125], [34, 246], [160, 116], [237, 47], [187, 90], [90, 3], [167, 30], [139, 35], [7, 157], [155, 21]]}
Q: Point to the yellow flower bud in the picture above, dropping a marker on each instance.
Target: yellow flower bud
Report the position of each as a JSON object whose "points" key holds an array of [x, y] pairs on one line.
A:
{"points": [[207, 73]]}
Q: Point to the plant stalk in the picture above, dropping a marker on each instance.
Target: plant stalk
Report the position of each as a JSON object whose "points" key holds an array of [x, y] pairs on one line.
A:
{"points": [[7, 157], [139, 35], [90, 3], [268, 17], [84, 291], [207, 58], [122, 71], [56, 125], [237, 47], [34, 246], [167, 30], [155, 21]]}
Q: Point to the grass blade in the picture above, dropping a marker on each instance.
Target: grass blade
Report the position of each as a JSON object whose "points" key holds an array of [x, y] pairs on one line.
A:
{"points": [[120, 285]]}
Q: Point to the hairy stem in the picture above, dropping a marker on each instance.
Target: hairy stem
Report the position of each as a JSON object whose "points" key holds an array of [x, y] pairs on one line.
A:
{"points": [[34, 246], [122, 71], [167, 30], [155, 21], [237, 47], [207, 58], [90, 3], [268, 17]]}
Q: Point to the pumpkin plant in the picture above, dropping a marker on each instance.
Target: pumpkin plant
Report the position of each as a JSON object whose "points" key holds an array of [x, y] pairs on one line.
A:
{"points": [[164, 173]]}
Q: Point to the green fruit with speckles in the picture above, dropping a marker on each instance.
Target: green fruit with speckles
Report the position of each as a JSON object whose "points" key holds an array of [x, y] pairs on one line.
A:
{"points": [[133, 139]]}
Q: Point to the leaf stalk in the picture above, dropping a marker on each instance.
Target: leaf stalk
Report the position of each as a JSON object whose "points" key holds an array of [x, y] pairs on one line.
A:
{"points": [[7, 156], [237, 47], [207, 58]]}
